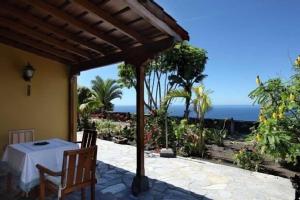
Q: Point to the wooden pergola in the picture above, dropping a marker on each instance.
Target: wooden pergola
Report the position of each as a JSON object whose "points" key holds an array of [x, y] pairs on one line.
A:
{"points": [[86, 34]]}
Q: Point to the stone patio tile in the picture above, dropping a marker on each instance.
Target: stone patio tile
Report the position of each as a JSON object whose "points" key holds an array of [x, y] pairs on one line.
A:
{"points": [[177, 195], [114, 188], [176, 178]]}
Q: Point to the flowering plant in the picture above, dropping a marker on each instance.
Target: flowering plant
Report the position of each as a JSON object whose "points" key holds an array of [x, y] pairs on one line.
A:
{"points": [[278, 133]]}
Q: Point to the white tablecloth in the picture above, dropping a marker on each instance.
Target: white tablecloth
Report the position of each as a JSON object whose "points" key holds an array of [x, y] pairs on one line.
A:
{"points": [[23, 157]]}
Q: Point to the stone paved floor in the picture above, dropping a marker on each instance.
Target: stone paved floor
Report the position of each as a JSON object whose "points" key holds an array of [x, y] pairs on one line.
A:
{"points": [[180, 178]]}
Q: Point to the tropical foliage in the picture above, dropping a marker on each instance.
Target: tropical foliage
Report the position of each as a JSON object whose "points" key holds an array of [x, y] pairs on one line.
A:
{"points": [[181, 66], [84, 111], [194, 135], [189, 63], [99, 98], [248, 159], [83, 94], [103, 92], [202, 104], [156, 80], [278, 133]]}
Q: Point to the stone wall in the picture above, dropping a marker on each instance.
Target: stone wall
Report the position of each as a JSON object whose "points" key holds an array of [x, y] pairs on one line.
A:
{"points": [[236, 126]]}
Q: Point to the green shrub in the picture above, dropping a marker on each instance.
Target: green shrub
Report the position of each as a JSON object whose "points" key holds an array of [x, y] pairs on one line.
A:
{"points": [[247, 159], [278, 133], [215, 136], [129, 131], [190, 142], [108, 128]]}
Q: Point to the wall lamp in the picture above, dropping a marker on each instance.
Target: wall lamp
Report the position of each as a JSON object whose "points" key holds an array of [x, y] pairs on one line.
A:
{"points": [[28, 73]]}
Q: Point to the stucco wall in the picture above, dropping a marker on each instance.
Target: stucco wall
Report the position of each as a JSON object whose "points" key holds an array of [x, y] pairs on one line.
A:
{"points": [[46, 110]]}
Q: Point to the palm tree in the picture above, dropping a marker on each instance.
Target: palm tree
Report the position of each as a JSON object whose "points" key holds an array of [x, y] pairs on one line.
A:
{"points": [[104, 91], [189, 63], [86, 105], [202, 103]]}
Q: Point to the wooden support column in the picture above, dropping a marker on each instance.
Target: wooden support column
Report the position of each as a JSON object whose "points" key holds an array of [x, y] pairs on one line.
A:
{"points": [[72, 107], [140, 182]]}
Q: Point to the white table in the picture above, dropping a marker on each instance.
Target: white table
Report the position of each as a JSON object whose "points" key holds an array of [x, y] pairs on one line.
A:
{"points": [[23, 157]]}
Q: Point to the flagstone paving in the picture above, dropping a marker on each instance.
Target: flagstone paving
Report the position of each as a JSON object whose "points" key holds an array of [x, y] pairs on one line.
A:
{"points": [[180, 178]]}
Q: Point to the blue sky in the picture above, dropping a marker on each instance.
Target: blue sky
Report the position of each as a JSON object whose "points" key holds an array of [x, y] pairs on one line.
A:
{"points": [[243, 39]]}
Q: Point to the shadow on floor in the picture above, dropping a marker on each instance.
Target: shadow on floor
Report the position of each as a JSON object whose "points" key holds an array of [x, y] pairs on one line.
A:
{"points": [[114, 183]]}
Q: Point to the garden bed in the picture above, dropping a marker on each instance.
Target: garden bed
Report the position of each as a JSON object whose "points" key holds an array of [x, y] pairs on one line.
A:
{"points": [[224, 155], [217, 154]]}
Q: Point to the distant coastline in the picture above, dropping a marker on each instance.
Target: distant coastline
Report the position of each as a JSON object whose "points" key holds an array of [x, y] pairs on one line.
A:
{"points": [[237, 112]]}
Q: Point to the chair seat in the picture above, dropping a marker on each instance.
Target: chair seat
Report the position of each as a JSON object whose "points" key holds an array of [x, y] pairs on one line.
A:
{"points": [[4, 168]]}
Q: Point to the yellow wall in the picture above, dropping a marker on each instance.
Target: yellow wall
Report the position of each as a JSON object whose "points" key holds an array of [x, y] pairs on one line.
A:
{"points": [[46, 110]]}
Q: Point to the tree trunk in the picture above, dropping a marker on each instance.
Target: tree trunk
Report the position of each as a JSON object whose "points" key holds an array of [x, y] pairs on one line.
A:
{"points": [[187, 103]]}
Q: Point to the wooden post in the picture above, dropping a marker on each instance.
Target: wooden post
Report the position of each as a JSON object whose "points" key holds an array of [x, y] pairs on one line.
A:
{"points": [[72, 107], [140, 120], [140, 182]]}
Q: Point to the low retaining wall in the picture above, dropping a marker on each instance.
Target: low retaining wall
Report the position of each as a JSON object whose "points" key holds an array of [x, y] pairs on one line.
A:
{"points": [[233, 126]]}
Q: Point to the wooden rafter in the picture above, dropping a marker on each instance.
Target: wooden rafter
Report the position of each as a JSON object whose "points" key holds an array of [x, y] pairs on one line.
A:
{"points": [[25, 16], [50, 40], [75, 22], [141, 10], [31, 49], [38, 45], [110, 19], [131, 54]]}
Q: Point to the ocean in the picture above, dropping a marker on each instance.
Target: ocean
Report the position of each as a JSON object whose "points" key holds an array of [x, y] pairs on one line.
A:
{"points": [[237, 112]]}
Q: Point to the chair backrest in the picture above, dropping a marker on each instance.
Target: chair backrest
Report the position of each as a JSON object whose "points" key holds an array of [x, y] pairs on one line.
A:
{"points": [[78, 168], [20, 136], [89, 138]]}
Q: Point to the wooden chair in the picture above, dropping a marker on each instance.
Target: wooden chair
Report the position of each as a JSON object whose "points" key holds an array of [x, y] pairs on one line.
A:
{"points": [[20, 136], [14, 137], [78, 172], [89, 138]]}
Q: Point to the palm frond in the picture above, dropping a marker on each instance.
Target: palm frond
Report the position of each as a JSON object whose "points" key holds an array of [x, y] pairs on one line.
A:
{"points": [[175, 94]]}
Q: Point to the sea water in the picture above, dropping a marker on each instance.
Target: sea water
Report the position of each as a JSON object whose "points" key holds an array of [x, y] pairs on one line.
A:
{"points": [[237, 112]]}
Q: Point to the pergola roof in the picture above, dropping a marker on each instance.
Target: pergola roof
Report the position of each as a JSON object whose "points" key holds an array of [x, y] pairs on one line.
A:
{"points": [[88, 33]]}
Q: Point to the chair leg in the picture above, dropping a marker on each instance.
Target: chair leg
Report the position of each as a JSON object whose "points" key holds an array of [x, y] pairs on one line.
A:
{"points": [[8, 182], [42, 190], [82, 193], [93, 191]]}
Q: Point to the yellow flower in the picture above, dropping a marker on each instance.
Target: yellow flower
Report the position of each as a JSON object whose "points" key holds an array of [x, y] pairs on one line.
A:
{"points": [[297, 61], [274, 115], [258, 137], [280, 115], [258, 82], [281, 107], [261, 118], [292, 97]]}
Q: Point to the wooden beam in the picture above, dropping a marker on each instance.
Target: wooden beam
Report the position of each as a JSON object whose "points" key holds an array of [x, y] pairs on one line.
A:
{"points": [[137, 7], [72, 107], [32, 50], [111, 20], [38, 45], [26, 17], [11, 24], [130, 54], [75, 22]]}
